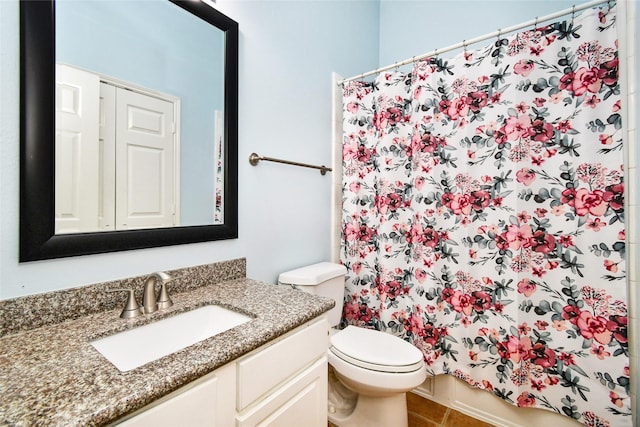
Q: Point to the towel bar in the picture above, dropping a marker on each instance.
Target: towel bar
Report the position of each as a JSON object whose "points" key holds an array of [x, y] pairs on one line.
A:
{"points": [[254, 159]]}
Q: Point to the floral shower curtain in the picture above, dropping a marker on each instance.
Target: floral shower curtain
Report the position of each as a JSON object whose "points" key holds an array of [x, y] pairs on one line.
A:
{"points": [[483, 216]]}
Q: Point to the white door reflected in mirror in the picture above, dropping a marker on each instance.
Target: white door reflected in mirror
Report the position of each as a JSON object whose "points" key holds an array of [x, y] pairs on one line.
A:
{"points": [[117, 161]]}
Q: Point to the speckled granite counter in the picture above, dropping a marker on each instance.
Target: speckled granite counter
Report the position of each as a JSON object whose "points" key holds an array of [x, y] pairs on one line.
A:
{"points": [[51, 375]]}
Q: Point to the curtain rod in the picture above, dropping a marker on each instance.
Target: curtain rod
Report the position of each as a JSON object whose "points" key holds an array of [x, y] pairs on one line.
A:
{"points": [[465, 43]]}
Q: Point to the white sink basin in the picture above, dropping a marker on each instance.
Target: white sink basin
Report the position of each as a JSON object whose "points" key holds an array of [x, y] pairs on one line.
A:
{"points": [[129, 349]]}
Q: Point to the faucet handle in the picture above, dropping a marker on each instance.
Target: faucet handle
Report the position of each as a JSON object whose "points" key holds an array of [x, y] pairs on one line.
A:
{"points": [[164, 301], [131, 308]]}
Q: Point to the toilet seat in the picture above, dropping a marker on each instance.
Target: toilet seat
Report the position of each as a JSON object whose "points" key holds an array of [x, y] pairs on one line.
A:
{"points": [[375, 350]]}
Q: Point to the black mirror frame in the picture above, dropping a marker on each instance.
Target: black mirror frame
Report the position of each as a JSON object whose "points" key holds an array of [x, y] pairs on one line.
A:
{"points": [[38, 240]]}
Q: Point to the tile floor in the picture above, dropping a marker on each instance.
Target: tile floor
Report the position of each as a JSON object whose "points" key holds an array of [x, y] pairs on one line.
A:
{"points": [[425, 413]]}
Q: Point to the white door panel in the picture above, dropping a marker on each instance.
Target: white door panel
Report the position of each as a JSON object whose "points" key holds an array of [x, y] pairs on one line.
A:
{"points": [[144, 161], [107, 198], [77, 150]]}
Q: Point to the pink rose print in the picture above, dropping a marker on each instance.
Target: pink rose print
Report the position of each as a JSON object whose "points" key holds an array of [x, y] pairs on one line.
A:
{"points": [[390, 202], [541, 131], [356, 267], [479, 200], [481, 301], [526, 287], [514, 349], [356, 152], [581, 81], [526, 400], [359, 232], [353, 107], [542, 355], [518, 236], [516, 127], [618, 326], [615, 399], [357, 312], [461, 204], [476, 100], [523, 67], [589, 202], [608, 72], [611, 265], [593, 327], [430, 334], [430, 237], [605, 139], [571, 313], [526, 176], [614, 196], [457, 108], [542, 242], [392, 116], [425, 143]]}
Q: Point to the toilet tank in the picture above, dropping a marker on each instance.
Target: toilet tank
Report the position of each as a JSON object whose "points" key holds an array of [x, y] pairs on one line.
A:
{"points": [[325, 279]]}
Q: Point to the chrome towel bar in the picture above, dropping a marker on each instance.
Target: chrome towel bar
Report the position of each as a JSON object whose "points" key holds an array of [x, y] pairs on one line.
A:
{"points": [[254, 159]]}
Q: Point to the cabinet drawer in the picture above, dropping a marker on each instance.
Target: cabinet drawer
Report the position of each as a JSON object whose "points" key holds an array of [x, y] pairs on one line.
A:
{"points": [[300, 402], [264, 370]]}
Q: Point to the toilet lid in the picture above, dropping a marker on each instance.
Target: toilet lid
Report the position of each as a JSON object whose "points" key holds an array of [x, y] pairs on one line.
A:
{"points": [[375, 350]]}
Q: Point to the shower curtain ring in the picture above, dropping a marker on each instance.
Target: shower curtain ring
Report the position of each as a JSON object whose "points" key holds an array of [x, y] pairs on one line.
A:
{"points": [[535, 24], [573, 13]]}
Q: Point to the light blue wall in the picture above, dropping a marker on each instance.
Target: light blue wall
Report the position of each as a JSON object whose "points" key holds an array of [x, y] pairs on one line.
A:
{"points": [[412, 27], [288, 50], [122, 40]]}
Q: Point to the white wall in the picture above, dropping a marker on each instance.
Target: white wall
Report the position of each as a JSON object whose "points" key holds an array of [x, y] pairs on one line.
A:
{"points": [[288, 50]]}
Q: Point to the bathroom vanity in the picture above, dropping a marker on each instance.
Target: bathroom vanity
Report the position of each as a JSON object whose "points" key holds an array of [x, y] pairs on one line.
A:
{"points": [[283, 383], [268, 371]]}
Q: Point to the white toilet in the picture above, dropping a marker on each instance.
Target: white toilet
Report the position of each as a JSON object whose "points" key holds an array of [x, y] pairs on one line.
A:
{"points": [[374, 369]]}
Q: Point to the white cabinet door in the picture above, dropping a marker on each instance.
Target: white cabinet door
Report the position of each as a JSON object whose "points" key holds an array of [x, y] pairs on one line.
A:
{"points": [[263, 371], [77, 150], [203, 403], [194, 407], [144, 161], [300, 402]]}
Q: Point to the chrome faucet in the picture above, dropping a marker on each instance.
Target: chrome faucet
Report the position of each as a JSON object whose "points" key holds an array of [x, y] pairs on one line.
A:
{"points": [[150, 302]]}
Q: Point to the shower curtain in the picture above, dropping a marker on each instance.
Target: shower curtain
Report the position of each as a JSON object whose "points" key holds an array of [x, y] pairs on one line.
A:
{"points": [[483, 216]]}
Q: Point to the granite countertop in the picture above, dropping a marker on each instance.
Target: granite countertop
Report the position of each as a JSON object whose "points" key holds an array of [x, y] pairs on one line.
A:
{"points": [[51, 375]]}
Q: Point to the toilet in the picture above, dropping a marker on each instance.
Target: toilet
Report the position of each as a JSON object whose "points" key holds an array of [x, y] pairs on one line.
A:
{"points": [[371, 370]]}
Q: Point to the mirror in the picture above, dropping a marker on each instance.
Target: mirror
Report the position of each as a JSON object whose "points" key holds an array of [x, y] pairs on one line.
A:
{"points": [[41, 98]]}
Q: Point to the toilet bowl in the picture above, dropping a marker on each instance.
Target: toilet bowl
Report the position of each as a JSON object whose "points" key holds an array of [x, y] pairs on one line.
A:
{"points": [[380, 368], [371, 371]]}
